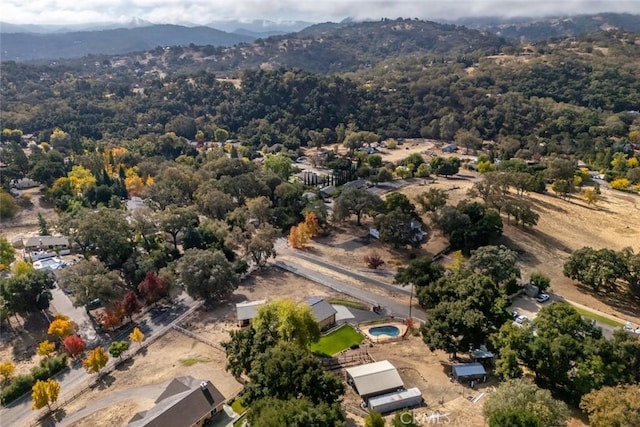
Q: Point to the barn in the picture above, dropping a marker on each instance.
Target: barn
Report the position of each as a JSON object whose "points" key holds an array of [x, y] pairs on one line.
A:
{"points": [[374, 379]]}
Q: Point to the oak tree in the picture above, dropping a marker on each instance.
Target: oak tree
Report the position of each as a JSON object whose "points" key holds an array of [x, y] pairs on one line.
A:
{"points": [[207, 275], [305, 376]]}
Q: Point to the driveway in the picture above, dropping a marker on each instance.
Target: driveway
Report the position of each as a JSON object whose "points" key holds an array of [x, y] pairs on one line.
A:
{"points": [[62, 304], [529, 307]]}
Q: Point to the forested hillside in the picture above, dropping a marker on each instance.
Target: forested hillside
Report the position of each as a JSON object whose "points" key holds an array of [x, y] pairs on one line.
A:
{"points": [[567, 97]]}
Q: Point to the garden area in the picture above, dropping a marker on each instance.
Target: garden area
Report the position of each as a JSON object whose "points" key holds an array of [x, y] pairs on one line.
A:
{"points": [[337, 341]]}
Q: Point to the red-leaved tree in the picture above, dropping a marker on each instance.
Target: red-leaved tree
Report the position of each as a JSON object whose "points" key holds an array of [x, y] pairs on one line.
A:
{"points": [[74, 345], [153, 288], [112, 316], [130, 304]]}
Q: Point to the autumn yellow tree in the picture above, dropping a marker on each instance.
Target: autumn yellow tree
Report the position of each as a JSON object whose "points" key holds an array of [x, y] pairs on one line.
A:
{"points": [[81, 179], [298, 236], [133, 182], [44, 393], [591, 196], [458, 262], [6, 370], [311, 223], [22, 268], [96, 360], [46, 348], [620, 183], [136, 336], [61, 326]]}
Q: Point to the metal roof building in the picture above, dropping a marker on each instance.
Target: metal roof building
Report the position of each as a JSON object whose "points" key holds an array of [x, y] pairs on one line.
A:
{"points": [[397, 400], [469, 372], [374, 379], [245, 311]]}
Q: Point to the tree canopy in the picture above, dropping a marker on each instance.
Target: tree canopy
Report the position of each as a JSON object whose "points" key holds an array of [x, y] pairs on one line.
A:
{"points": [[305, 377]]}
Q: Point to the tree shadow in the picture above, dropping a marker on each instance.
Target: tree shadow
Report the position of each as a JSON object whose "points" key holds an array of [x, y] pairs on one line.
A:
{"points": [[105, 381], [621, 300], [547, 205], [125, 364]]}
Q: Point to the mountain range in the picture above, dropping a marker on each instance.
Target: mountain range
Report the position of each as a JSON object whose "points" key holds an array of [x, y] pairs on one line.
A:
{"points": [[51, 42]]}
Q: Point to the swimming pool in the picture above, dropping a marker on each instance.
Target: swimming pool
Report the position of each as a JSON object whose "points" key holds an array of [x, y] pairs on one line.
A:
{"points": [[388, 330]]}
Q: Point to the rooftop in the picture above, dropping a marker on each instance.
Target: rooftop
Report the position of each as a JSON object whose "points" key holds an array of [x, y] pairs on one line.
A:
{"points": [[320, 308], [375, 377], [248, 310]]}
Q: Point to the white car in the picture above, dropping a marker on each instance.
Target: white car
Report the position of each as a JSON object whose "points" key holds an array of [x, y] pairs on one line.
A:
{"points": [[542, 297], [521, 319]]}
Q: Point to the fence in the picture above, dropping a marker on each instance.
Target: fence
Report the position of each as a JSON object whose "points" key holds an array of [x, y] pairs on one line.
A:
{"points": [[113, 364], [345, 360], [199, 338]]}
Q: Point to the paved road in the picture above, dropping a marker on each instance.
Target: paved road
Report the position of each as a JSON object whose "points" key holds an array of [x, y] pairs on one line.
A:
{"points": [[157, 321], [394, 289], [392, 306]]}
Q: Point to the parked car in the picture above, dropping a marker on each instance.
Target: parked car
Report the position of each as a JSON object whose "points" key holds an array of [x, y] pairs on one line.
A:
{"points": [[542, 297], [93, 304]]}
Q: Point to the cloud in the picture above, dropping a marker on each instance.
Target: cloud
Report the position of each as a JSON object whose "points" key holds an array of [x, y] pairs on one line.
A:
{"points": [[205, 11]]}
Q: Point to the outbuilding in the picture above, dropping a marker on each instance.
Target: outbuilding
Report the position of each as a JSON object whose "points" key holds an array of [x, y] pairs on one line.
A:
{"points": [[464, 372], [396, 400], [374, 379], [246, 311]]}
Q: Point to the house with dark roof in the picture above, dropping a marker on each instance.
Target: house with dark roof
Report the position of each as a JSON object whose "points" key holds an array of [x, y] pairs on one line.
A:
{"points": [[185, 402], [323, 312]]}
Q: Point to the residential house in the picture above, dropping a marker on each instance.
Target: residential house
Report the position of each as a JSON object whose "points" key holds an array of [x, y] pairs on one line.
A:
{"points": [[185, 401], [323, 312]]}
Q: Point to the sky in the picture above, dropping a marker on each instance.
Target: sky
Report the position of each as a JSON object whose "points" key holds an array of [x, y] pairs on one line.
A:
{"points": [[202, 12]]}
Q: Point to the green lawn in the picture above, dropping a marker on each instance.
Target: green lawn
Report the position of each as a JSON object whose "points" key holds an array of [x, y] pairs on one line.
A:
{"points": [[238, 407], [336, 341], [591, 315]]}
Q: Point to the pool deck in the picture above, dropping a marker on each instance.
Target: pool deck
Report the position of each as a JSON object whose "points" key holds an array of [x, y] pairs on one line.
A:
{"points": [[382, 338]]}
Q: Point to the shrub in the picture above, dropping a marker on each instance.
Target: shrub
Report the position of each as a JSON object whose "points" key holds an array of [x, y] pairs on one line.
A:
{"points": [[620, 183], [21, 384], [374, 260], [18, 386]]}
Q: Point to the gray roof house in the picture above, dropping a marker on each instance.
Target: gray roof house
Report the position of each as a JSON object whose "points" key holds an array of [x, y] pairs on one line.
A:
{"points": [[324, 312], [185, 401], [46, 242]]}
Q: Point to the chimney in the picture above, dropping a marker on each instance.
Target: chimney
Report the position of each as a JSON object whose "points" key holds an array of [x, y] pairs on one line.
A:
{"points": [[207, 393]]}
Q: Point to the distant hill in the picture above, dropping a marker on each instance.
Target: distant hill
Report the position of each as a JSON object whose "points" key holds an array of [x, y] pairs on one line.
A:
{"points": [[6, 27], [30, 46], [553, 27], [332, 47], [261, 27]]}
